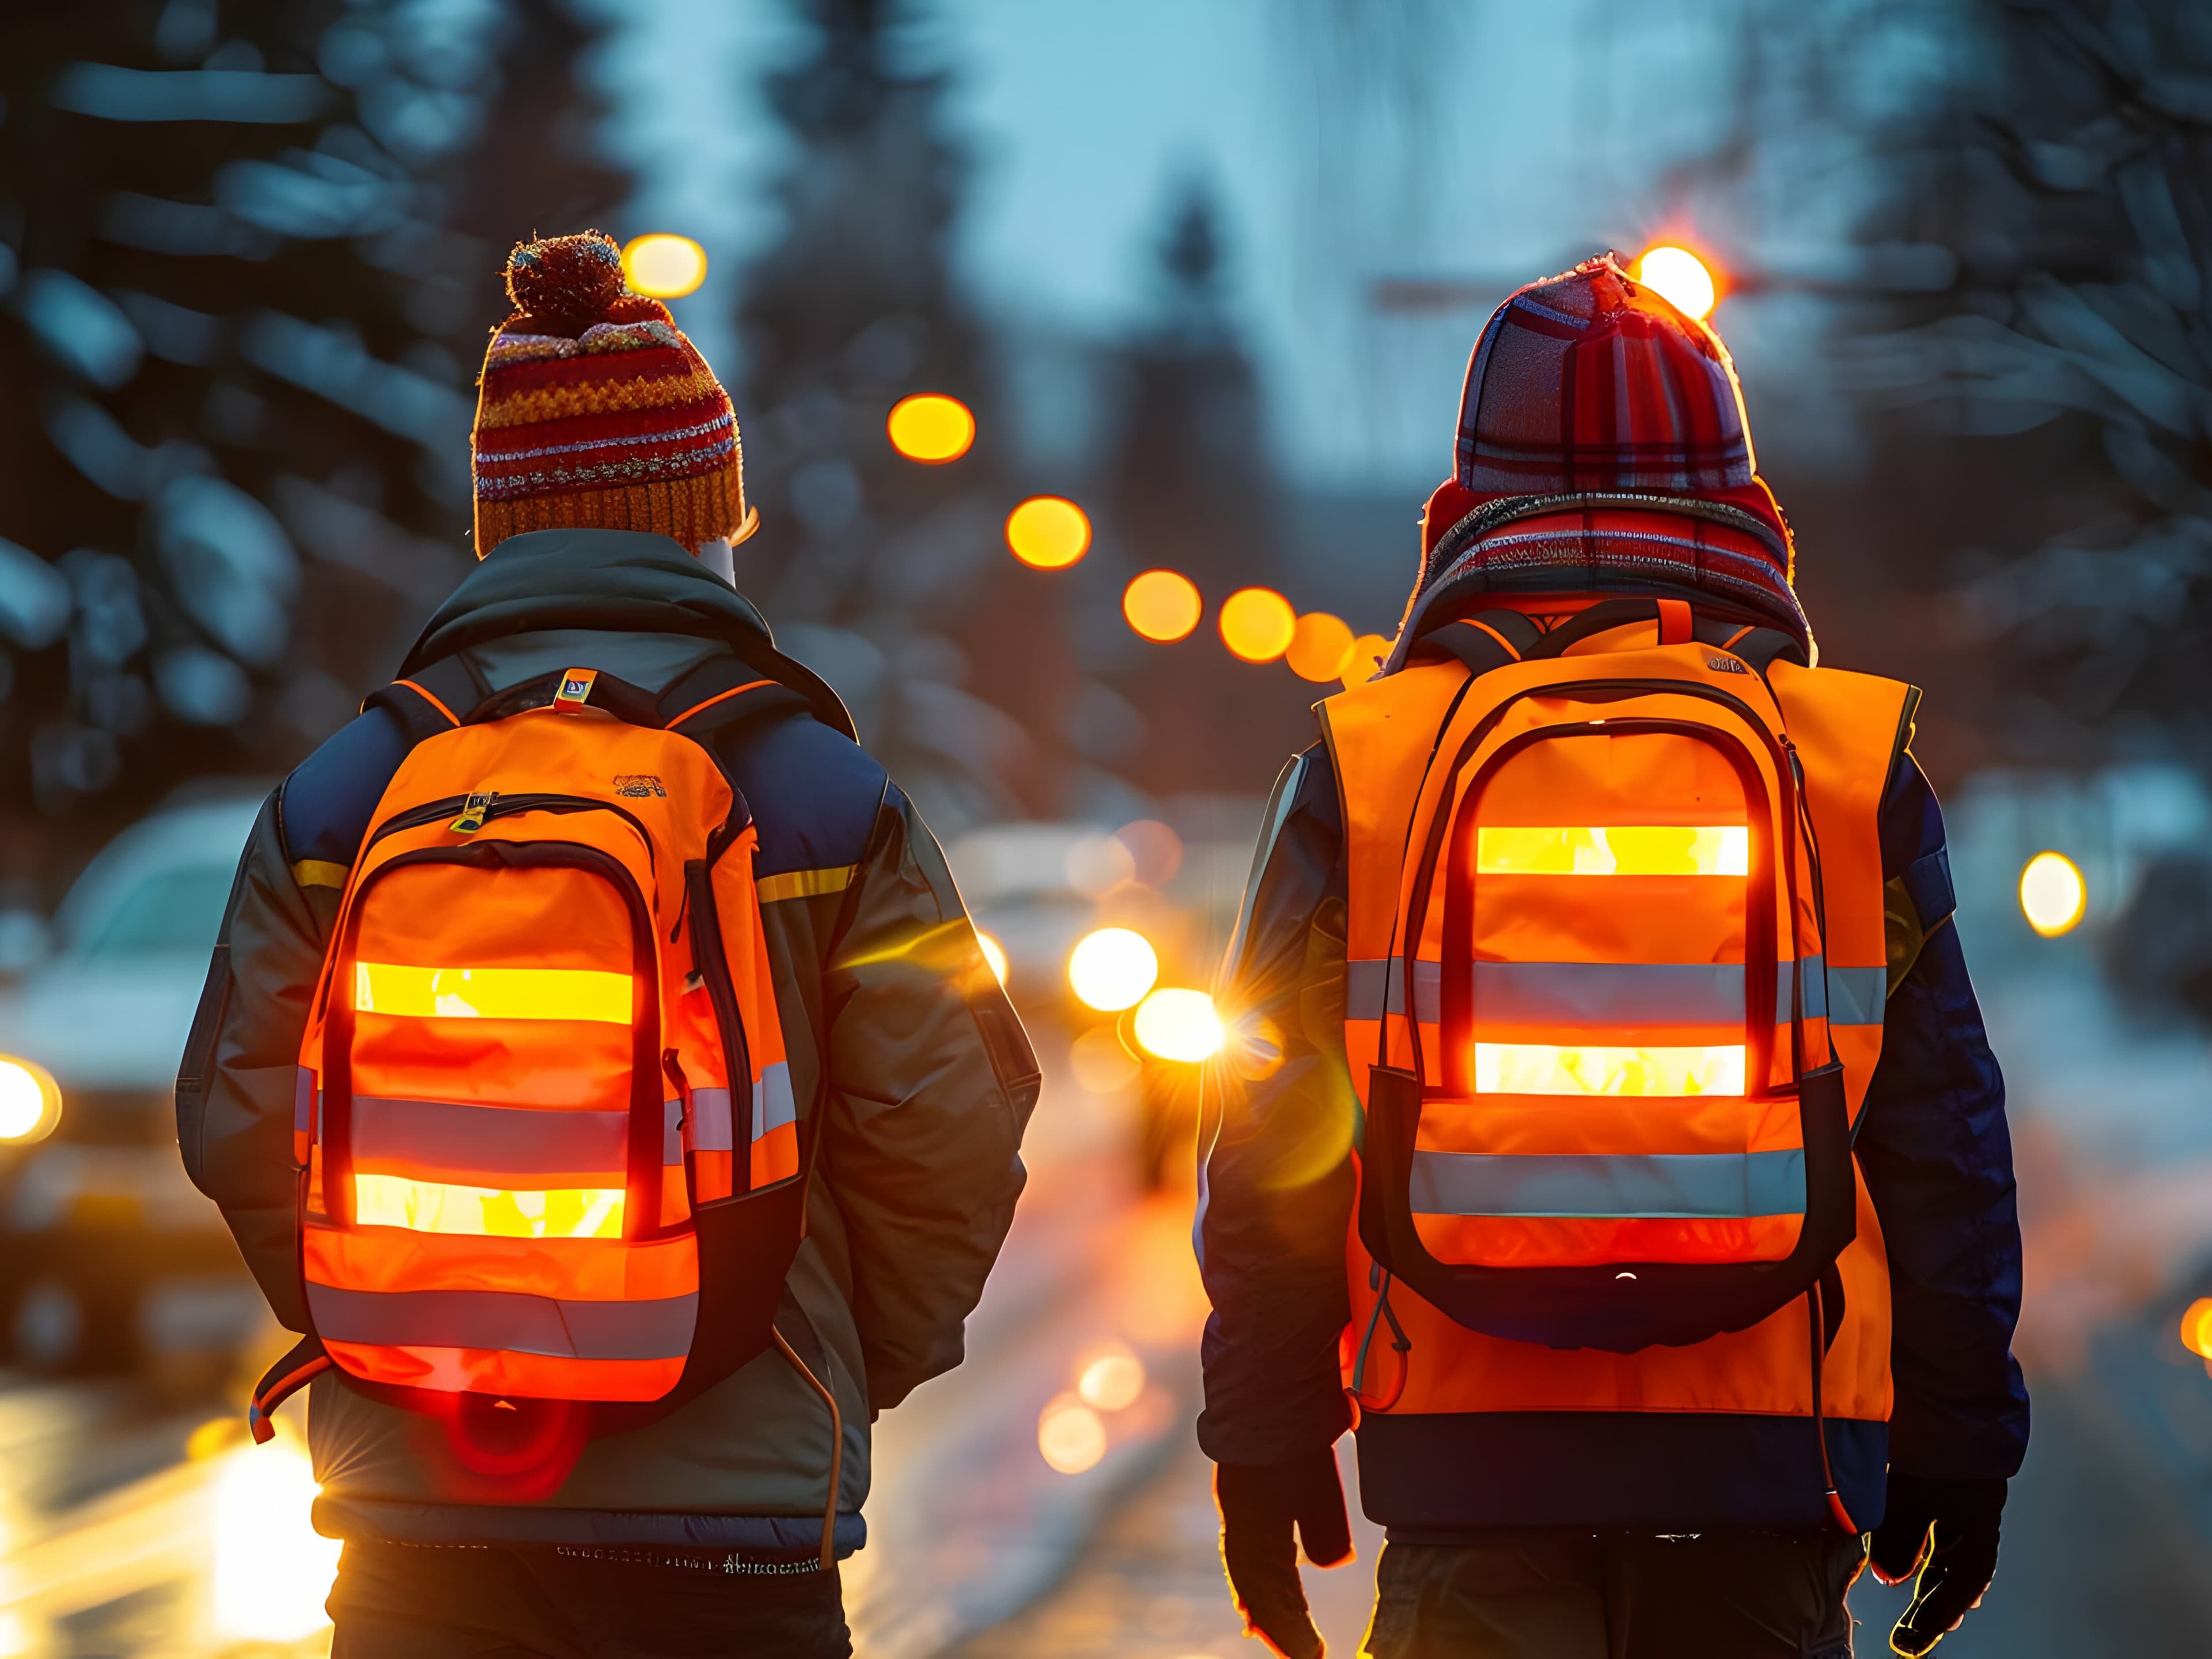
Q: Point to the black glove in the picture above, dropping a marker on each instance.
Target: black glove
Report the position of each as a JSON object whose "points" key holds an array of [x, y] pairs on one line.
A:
{"points": [[1949, 1530], [1259, 1504]]}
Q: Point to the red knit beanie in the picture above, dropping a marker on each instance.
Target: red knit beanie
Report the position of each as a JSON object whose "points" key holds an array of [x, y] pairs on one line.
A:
{"points": [[596, 412]]}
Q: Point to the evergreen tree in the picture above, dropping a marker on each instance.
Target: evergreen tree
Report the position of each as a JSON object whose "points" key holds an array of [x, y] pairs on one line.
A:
{"points": [[254, 246], [890, 577]]}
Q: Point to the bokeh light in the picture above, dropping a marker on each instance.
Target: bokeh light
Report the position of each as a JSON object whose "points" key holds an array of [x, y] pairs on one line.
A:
{"points": [[2196, 1328], [273, 1570], [664, 266], [1071, 1434], [2052, 895], [1677, 277], [1177, 1025], [1112, 969], [1257, 624], [1155, 851], [1049, 531], [1163, 606], [1111, 1380], [1319, 644], [1364, 661], [993, 953], [30, 1101], [930, 428]]}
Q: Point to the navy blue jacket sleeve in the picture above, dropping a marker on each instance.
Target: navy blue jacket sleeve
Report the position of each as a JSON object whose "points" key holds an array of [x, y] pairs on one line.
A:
{"points": [[1275, 1182], [1937, 1156]]}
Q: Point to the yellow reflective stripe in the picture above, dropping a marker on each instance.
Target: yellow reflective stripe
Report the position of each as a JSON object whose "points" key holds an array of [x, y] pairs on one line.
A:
{"points": [[383, 987], [319, 873], [1539, 1068], [1647, 849], [435, 1206], [806, 884]]}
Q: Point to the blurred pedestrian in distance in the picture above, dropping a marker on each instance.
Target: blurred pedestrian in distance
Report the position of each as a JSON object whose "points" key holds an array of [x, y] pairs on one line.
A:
{"points": [[890, 1079], [1636, 1181]]}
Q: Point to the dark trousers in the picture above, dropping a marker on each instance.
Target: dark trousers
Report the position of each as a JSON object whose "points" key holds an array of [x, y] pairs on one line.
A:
{"points": [[1553, 1595], [547, 1602]]}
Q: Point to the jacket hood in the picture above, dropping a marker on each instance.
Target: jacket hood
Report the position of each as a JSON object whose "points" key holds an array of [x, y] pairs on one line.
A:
{"points": [[618, 581]]}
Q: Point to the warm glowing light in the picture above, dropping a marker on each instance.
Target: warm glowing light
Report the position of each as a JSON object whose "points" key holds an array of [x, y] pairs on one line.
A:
{"points": [[216, 1437], [993, 953], [1179, 1025], [1100, 1063], [30, 1101], [1154, 849], [1364, 660], [272, 1570], [931, 428], [383, 987], [1112, 969], [2052, 895], [1257, 624], [1112, 1381], [435, 1206], [1163, 606], [667, 267], [1319, 644], [1070, 1435], [1049, 531], [1656, 849], [1677, 277], [2196, 1328], [1537, 1068]]}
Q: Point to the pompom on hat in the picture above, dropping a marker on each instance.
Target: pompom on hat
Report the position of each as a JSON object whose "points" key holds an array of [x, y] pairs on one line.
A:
{"points": [[1602, 446], [594, 411]]}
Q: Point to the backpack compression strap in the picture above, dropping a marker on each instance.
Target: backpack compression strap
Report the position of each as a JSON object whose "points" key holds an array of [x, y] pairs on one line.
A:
{"points": [[301, 1366], [717, 693]]}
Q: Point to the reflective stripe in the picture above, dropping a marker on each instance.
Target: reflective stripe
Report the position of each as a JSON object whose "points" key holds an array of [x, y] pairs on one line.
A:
{"points": [[304, 1096], [1594, 1068], [461, 1210], [447, 1140], [1612, 993], [773, 1106], [320, 872], [713, 1130], [1616, 850], [505, 1319], [585, 993], [805, 884], [1619, 1186], [710, 1120]]}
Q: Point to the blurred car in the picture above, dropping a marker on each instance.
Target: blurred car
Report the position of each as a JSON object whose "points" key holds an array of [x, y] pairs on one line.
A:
{"points": [[107, 1254]]}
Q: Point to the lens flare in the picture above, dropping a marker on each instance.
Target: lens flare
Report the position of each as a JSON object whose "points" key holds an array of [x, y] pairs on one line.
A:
{"points": [[1049, 531], [1680, 277], [272, 1569], [1319, 646], [664, 266], [1070, 1435], [2052, 895], [993, 953], [1161, 605], [1112, 969], [1176, 1025], [1257, 624], [930, 428], [30, 1101]]}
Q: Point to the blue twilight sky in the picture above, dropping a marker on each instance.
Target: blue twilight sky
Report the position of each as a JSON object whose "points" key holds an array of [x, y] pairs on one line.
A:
{"points": [[1349, 143]]}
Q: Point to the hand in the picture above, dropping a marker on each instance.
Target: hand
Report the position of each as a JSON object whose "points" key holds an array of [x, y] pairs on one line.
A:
{"points": [[1260, 1505], [1948, 1530]]}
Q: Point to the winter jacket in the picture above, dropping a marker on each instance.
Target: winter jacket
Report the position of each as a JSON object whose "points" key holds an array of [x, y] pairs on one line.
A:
{"points": [[1277, 1192], [911, 1066]]}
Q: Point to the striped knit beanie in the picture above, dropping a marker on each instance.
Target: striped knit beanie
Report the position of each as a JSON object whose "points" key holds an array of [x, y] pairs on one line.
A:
{"points": [[1602, 445], [596, 412]]}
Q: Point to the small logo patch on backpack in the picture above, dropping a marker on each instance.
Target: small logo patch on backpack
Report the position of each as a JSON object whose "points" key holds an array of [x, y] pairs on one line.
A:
{"points": [[1726, 666], [637, 784]]}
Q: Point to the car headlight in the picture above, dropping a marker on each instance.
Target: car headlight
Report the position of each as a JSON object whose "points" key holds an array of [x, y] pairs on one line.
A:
{"points": [[30, 1101]]}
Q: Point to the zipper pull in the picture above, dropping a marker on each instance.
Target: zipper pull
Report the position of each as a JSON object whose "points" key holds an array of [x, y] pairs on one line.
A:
{"points": [[474, 813]]}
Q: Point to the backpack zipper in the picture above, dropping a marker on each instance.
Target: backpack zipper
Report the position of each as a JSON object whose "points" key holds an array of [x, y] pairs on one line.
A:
{"points": [[483, 806]]}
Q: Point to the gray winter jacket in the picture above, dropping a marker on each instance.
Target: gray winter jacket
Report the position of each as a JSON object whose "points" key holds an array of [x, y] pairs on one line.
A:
{"points": [[909, 1063]]}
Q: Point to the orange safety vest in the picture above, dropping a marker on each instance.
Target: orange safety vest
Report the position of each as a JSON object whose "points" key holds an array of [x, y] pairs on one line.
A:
{"points": [[549, 1145], [1605, 1168]]}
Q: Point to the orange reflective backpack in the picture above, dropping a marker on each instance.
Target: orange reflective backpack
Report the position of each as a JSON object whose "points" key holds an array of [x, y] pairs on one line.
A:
{"points": [[1605, 1113], [549, 1147]]}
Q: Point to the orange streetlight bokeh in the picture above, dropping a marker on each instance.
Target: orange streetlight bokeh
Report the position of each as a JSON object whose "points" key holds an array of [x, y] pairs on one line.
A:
{"points": [[665, 266], [1680, 277], [1257, 624], [1363, 661], [1163, 606], [930, 428], [1319, 644], [1049, 531]]}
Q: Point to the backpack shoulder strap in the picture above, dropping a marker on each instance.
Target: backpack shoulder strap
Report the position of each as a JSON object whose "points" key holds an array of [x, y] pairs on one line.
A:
{"points": [[1487, 640], [435, 698], [720, 692]]}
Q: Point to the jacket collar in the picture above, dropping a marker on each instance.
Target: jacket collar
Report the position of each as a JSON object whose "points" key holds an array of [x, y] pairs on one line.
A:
{"points": [[618, 581]]}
